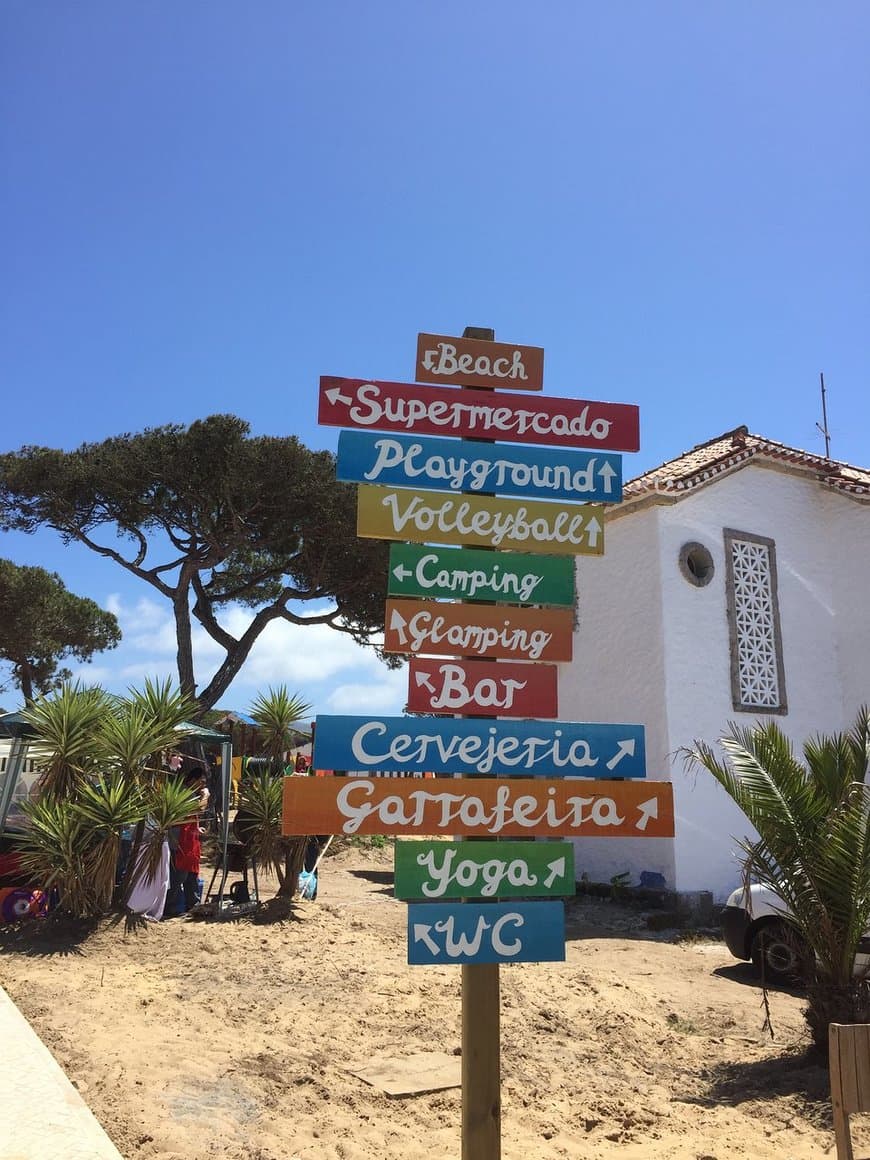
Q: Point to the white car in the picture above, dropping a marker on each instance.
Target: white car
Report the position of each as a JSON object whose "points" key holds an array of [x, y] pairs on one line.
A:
{"points": [[757, 925]]}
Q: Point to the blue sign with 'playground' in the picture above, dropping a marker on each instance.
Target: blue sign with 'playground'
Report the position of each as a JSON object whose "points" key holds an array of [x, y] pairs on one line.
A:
{"points": [[478, 469]]}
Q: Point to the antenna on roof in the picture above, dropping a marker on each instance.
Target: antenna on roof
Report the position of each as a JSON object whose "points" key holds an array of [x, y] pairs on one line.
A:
{"points": [[824, 429]]}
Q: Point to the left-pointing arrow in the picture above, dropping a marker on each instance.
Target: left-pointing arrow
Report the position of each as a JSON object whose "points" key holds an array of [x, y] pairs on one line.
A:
{"points": [[421, 934], [335, 396], [401, 572]]}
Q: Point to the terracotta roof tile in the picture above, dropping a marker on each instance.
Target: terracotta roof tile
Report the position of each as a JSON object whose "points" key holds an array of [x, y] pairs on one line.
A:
{"points": [[733, 450]]}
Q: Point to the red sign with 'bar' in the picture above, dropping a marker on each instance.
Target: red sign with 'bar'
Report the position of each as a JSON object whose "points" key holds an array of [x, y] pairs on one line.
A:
{"points": [[482, 688]]}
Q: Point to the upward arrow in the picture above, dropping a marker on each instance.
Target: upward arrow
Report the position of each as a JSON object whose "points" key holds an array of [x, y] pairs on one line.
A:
{"points": [[557, 869], [608, 475], [593, 531], [623, 749], [648, 809], [398, 624], [335, 396]]}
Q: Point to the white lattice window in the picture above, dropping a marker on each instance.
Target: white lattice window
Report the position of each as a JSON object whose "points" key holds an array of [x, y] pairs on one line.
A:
{"points": [[757, 679]]}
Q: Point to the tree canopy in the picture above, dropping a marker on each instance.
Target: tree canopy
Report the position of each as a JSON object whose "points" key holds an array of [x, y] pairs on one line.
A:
{"points": [[42, 623], [210, 516]]}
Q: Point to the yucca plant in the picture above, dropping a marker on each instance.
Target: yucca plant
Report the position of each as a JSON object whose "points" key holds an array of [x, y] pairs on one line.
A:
{"points": [[258, 820], [54, 850], [167, 803], [104, 809], [66, 725], [813, 849], [275, 713]]}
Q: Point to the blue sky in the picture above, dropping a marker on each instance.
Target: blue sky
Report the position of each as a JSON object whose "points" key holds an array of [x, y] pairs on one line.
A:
{"points": [[204, 207]]}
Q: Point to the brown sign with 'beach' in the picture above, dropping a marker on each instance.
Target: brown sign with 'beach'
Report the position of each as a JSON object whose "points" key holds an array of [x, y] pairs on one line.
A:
{"points": [[476, 362]]}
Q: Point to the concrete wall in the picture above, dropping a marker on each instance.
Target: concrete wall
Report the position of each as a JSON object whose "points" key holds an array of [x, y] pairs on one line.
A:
{"points": [[617, 675], [653, 648]]}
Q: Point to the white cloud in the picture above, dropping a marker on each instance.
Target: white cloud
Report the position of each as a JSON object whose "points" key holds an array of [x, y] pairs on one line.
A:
{"points": [[326, 667]]}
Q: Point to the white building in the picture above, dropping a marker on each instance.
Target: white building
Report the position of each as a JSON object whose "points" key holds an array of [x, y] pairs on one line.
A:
{"points": [[734, 587]]}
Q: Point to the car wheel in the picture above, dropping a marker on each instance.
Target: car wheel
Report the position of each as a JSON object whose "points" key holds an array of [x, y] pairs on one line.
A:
{"points": [[778, 953]]}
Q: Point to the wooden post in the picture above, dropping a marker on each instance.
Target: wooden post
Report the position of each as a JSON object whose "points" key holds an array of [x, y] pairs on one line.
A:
{"points": [[481, 1028]]}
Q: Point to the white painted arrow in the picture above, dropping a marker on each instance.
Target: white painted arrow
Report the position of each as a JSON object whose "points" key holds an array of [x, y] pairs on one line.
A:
{"points": [[335, 396], [422, 679], [648, 810], [623, 749], [401, 572], [593, 531], [429, 360], [398, 624], [557, 870], [608, 474], [421, 934]]}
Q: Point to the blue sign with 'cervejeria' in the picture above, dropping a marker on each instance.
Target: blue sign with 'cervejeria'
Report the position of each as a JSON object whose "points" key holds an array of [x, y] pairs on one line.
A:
{"points": [[501, 469], [546, 748]]}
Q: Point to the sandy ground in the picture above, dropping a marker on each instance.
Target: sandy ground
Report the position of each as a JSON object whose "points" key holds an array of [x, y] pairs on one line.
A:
{"points": [[201, 1039]]}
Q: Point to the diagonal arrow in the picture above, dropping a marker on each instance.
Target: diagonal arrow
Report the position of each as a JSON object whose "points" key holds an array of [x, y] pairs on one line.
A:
{"points": [[648, 809], [608, 474], [421, 934], [335, 396], [398, 624], [401, 572], [557, 870], [423, 681], [623, 749]]}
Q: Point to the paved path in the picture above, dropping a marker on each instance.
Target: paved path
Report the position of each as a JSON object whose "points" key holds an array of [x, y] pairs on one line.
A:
{"points": [[45, 1118]]}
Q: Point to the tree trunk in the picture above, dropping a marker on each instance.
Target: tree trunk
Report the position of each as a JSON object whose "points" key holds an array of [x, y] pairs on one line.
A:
{"points": [[183, 636], [829, 1002], [294, 860]]}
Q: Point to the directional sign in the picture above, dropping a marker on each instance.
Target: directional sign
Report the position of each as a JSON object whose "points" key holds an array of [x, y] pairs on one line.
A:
{"points": [[548, 748], [412, 409], [478, 362], [487, 807], [474, 574], [490, 688], [474, 932], [527, 634], [501, 469], [432, 870], [397, 513]]}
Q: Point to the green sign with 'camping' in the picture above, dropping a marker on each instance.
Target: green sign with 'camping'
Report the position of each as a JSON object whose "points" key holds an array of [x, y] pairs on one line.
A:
{"points": [[431, 870], [471, 574]]}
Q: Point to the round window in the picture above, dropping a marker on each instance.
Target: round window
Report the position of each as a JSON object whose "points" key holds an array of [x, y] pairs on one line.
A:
{"points": [[696, 564]]}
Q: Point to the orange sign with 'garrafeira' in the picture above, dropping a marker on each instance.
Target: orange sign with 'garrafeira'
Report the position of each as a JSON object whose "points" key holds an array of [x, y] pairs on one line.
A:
{"points": [[479, 807], [476, 362]]}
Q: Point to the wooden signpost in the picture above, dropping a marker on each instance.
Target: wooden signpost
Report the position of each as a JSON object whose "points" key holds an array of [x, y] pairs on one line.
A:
{"points": [[459, 463], [506, 689], [397, 513], [467, 414], [478, 362], [510, 748], [484, 807], [479, 469], [527, 634], [472, 574]]}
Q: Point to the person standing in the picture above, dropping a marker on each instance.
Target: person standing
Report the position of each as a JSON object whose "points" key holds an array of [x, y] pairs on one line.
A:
{"points": [[183, 893]]}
